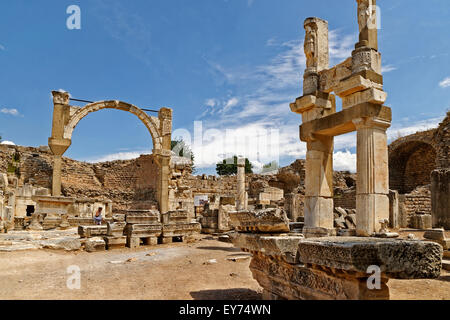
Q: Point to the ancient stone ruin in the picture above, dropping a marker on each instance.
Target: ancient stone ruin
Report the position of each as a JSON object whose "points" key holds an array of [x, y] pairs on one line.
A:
{"points": [[316, 264], [313, 233]]}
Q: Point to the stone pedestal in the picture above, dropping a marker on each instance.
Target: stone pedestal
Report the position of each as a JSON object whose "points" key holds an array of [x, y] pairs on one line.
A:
{"points": [[35, 225], [318, 209], [52, 209]]}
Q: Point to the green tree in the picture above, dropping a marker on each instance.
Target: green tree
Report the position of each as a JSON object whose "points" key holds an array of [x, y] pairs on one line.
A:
{"points": [[271, 166], [229, 166], [182, 149]]}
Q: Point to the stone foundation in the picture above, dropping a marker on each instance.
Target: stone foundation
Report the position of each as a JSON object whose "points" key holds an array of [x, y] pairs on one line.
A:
{"points": [[335, 268]]}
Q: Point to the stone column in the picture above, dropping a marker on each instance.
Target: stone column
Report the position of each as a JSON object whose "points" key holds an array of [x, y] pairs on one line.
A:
{"points": [[372, 187], [57, 143], [318, 211], [164, 184], [240, 201], [440, 199], [56, 179], [165, 130]]}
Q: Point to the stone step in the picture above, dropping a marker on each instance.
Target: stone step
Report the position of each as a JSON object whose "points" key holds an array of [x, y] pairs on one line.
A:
{"points": [[446, 264], [447, 254]]}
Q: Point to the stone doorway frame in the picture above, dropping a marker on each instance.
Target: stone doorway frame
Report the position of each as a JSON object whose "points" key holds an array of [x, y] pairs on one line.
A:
{"points": [[359, 83], [66, 118]]}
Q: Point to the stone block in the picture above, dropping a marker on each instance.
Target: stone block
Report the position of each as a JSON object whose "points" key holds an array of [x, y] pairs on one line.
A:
{"points": [[115, 242], [421, 221], [281, 280], [371, 209], [143, 230], [282, 246], [319, 212], [94, 244], [435, 234], [272, 220], [371, 95], [92, 231], [400, 259], [144, 217], [115, 229], [440, 199], [181, 229], [355, 84]]}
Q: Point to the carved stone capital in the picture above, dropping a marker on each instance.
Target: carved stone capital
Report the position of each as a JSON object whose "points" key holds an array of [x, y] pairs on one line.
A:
{"points": [[60, 97]]}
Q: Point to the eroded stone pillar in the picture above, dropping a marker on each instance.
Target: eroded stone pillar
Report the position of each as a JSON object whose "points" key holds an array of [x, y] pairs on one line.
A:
{"points": [[57, 143], [240, 201], [318, 208], [372, 187], [163, 185]]}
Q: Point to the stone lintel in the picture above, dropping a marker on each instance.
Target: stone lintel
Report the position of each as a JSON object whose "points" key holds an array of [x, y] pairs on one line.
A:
{"points": [[342, 122], [281, 245], [354, 84], [308, 102], [398, 259], [371, 95], [272, 220], [51, 199]]}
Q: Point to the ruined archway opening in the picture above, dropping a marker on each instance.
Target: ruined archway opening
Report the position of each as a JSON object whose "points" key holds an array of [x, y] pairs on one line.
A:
{"points": [[115, 163], [410, 166]]}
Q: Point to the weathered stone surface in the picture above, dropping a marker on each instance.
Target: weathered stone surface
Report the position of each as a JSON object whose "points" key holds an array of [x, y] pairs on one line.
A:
{"points": [[440, 199], [283, 246], [297, 282], [67, 244], [435, 234], [115, 242], [92, 231], [143, 230], [144, 217], [94, 244], [273, 220], [181, 229], [115, 229], [400, 259], [421, 221]]}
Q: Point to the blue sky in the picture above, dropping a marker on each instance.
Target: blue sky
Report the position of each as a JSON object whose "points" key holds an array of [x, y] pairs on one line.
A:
{"points": [[234, 65]]}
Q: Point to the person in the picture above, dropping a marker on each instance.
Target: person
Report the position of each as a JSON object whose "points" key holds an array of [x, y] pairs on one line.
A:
{"points": [[98, 216]]}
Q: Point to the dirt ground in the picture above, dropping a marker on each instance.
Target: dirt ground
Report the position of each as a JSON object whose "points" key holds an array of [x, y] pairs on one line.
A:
{"points": [[174, 271]]}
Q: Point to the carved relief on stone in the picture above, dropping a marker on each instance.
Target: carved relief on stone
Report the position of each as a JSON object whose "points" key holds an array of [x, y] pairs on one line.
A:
{"points": [[310, 46], [367, 14], [60, 97]]}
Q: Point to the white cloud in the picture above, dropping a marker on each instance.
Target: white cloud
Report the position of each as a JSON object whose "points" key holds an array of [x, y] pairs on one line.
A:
{"points": [[344, 161], [251, 116], [12, 112], [388, 68], [400, 129], [445, 83], [119, 156], [9, 143]]}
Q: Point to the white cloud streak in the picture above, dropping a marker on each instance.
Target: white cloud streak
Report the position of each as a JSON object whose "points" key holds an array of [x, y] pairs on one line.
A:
{"points": [[12, 112], [445, 83]]}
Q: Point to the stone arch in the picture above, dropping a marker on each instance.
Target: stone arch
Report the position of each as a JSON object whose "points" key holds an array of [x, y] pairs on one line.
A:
{"points": [[151, 123], [411, 161], [66, 118]]}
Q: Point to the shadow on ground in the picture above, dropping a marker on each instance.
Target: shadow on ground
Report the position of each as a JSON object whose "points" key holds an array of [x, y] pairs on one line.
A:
{"points": [[232, 249], [445, 278], [226, 294]]}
